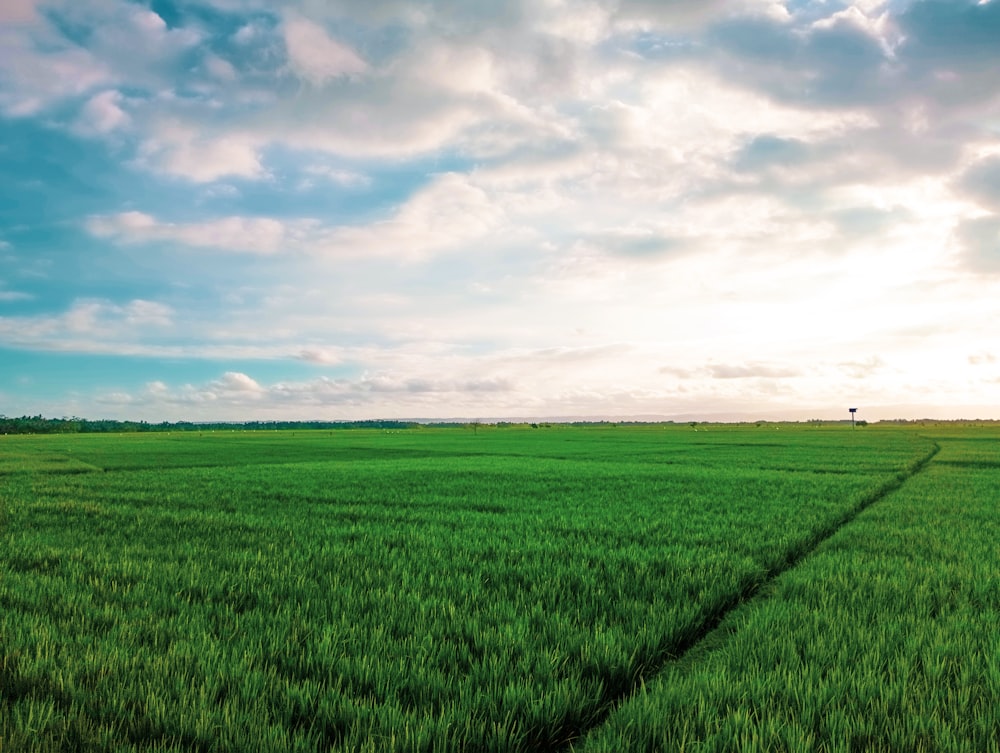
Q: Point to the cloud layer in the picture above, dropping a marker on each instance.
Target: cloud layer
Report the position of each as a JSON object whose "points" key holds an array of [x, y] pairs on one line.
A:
{"points": [[567, 207]]}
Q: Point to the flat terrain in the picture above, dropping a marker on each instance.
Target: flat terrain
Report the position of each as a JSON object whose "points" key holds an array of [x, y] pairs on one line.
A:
{"points": [[781, 587]]}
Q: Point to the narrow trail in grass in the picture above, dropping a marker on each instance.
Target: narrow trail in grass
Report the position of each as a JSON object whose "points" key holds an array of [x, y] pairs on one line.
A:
{"points": [[708, 627]]}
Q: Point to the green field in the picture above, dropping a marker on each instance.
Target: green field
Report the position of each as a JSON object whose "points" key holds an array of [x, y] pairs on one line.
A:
{"points": [[593, 588]]}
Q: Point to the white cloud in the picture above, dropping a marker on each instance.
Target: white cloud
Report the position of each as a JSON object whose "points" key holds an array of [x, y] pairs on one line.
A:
{"points": [[340, 177], [320, 356], [220, 68], [979, 243], [136, 40], [87, 321], [180, 150], [234, 381], [316, 57], [871, 18], [863, 369], [449, 213], [10, 296], [258, 235], [19, 11], [128, 224], [247, 33], [124, 45], [234, 392], [102, 317], [586, 22], [141, 312], [103, 114], [750, 370], [31, 79]]}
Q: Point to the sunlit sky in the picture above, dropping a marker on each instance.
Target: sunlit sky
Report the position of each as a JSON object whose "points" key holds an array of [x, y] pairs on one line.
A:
{"points": [[343, 209]]}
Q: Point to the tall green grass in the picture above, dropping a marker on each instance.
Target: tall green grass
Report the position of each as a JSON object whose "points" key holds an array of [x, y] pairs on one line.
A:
{"points": [[367, 591], [887, 639]]}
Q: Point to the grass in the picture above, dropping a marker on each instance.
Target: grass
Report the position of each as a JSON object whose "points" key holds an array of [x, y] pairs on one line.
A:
{"points": [[885, 639], [422, 590]]}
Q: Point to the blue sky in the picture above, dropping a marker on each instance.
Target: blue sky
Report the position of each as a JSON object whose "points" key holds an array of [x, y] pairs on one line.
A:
{"points": [[238, 209]]}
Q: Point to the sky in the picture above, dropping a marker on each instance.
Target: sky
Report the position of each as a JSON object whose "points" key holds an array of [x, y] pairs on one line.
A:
{"points": [[346, 209]]}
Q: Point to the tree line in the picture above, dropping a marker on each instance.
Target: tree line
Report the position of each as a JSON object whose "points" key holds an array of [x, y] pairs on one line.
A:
{"points": [[41, 425]]}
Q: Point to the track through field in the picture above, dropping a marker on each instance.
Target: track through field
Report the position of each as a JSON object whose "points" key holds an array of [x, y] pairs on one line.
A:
{"points": [[707, 631]]}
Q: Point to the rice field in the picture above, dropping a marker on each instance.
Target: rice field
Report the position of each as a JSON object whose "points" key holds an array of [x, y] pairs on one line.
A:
{"points": [[509, 589], [887, 638]]}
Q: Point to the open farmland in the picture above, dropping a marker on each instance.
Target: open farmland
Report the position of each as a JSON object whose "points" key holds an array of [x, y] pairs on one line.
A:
{"points": [[506, 589], [887, 638]]}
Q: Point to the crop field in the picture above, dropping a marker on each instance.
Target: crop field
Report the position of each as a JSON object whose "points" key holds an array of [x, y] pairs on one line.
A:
{"points": [[594, 588]]}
